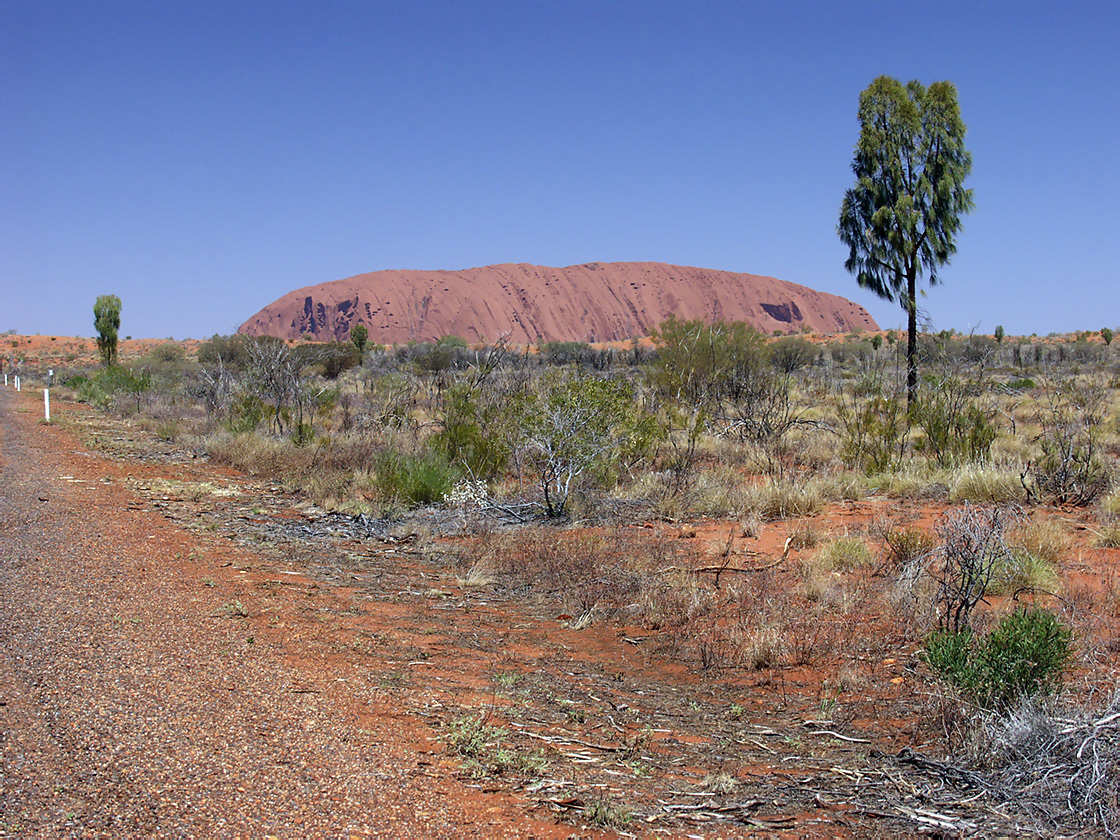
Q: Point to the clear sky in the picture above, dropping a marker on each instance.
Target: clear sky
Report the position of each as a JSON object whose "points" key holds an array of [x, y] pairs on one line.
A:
{"points": [[200, 159]]}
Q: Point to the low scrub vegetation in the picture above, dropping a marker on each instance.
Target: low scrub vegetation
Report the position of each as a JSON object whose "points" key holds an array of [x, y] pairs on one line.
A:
{"points": [[582, 477]]}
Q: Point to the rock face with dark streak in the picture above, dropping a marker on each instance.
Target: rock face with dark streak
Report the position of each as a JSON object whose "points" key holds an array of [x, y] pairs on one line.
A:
{"points": [[535, 304]]}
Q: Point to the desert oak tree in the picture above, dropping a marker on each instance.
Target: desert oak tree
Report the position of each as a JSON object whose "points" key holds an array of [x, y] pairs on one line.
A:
{"points": [[901, 217], [107, 322]]}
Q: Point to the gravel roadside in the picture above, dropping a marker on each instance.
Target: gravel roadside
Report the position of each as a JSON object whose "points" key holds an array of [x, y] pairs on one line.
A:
{"points": [[132, 706]]}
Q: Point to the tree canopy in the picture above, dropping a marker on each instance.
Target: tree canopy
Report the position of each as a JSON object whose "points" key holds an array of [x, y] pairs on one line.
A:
{"points": [[901, 218], [359, 335], [107, 322]]}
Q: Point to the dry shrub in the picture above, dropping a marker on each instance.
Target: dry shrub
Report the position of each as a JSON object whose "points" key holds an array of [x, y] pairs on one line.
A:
{"points": [[809, 642], [761, 648], [675, 601], [819, 584], [1078, 757], [843, 593], [716, 649], [585, 570], [907, 545], [912, 595], [804, 535]]}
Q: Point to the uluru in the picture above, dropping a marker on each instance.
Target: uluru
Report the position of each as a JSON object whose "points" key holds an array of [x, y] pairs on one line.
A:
{"points": [[533, 304]]}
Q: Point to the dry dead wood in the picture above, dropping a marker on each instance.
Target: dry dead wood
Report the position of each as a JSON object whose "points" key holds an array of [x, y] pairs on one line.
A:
{"points": [[727, 567]]}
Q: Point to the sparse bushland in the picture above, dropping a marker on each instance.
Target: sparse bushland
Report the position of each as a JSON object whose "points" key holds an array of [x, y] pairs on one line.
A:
{"points": [[546, 465]]}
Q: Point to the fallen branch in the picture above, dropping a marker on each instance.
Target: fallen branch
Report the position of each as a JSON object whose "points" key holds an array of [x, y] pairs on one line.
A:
{"points": [[718, 570]]}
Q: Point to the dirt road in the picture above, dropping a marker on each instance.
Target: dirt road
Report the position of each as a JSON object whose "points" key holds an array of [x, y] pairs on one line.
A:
{"points": [[137, 699]]}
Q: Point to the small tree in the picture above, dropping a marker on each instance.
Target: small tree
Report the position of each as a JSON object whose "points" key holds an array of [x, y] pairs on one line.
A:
{"points": [[999, 334], [107, 322], [359, 335], [576, 427], [1106, 336], [901, 217]]}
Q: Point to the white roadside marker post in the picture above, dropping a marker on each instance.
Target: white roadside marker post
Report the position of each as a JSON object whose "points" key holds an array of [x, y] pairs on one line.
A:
{"points": [[47, 403]]}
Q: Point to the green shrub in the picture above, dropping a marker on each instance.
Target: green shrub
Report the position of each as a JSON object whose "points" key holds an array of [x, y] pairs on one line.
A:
{"points": [[873, 434], [414, 480], [246, 414], [476, 432], [958, 429], [949, 654], [578, 431], [111, 382], [1026, 654]]}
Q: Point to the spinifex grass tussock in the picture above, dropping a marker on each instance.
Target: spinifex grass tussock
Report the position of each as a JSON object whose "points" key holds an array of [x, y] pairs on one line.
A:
{"points": [[717, 493], [786, 499], [1024, 571], [843, 554], [1037, 548], [804, 534], [258, 454], [1108, 536], [1110, 504], [986, 485], [916, 479], [1047, 538]]}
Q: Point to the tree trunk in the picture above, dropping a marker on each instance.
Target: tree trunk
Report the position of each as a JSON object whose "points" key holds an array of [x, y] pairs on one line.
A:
{"points": [[911, 341]]}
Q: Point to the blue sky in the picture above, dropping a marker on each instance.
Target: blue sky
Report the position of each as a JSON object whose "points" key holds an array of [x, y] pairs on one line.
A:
{"points": [[200, 159]]}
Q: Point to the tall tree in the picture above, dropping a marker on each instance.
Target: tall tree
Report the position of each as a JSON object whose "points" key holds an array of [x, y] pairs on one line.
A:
{"points": [[902, 215], [107, 322]]}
